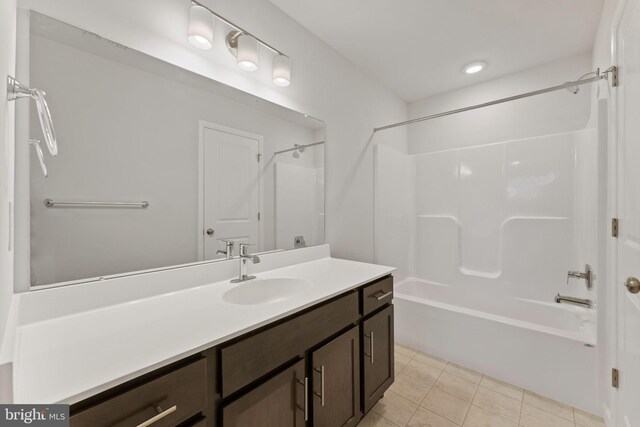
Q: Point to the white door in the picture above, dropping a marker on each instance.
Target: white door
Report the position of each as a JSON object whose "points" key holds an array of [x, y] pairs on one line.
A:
{"points": [[230, 188], [629, 213]]}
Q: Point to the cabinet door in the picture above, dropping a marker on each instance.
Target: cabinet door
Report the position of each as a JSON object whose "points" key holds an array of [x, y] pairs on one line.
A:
{"points": [[336, 381], [377, 356], [279, 402]]}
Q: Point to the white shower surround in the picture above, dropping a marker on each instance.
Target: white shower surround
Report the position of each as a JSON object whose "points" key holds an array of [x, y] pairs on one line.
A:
{"points": [[497, 226]]}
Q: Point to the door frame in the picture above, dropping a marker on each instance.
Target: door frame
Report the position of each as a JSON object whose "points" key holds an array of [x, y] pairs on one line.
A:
{"points": [[613, 292], [202, 125]]}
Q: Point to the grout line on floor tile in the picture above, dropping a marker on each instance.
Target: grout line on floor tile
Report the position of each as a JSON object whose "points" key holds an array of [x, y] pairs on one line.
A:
{"points": [[573, 409], [499, 392], [472, 399]]}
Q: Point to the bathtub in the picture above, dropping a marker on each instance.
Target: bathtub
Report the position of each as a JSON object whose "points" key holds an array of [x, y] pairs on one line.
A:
{"points": [[547, 348]]}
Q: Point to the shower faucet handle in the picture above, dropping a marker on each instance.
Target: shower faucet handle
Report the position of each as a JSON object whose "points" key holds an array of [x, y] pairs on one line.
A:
{"points": [[575, 275], [587, 275]]}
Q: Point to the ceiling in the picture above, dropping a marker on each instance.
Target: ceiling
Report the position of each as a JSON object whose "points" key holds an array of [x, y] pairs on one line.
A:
{"points": [[418, 48]]}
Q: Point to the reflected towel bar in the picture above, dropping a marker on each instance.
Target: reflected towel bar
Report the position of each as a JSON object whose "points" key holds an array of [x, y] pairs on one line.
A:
{"points": [[53, 204]]}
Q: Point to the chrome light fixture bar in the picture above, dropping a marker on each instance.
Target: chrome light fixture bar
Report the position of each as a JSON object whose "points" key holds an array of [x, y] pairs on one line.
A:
{"points": [[241, 43], [238, 28]]}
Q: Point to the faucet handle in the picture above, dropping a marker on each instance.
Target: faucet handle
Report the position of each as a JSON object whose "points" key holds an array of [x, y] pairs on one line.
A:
{"points": [[244, 246]]}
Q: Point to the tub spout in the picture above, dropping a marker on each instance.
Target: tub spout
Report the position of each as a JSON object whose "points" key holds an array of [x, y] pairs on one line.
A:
{"points": [[573, 300]]}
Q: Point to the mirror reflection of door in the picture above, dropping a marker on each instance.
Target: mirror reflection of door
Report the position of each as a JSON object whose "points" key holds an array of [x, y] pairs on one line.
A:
{"points": [[230, 190]]}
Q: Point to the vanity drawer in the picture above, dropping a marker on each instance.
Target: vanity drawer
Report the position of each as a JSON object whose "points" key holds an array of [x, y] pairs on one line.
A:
{"points": [[377, 294], [249, 359], [179, 395]]}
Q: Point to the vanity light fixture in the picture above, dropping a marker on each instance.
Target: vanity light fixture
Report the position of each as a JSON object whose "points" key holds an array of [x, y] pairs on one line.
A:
{"points": [[475, 67], [242, 44], [247, 52], [200, 27], [281, 70]]}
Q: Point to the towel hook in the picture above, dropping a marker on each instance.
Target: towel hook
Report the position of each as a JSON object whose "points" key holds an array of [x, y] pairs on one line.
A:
{"points": [[17, 90]]}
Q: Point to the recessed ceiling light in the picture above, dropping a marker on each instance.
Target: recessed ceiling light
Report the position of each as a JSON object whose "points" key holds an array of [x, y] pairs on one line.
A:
{"points": [[475, 67]]}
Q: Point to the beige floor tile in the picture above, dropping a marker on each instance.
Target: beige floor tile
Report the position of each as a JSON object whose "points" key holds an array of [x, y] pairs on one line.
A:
{"points": [[534, 417], [395, 408], [410, 388], [425, 418], [478, 417], [428, 359], [497, 403], [451, 407], [423, 372], [457, 386], [400, 361], [373, 419], [502, 387], [585, 419], [548, 405], [462, 372], [405, 351]]}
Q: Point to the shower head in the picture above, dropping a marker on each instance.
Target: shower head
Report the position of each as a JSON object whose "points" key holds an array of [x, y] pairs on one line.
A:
{"points": [[299, 149]]}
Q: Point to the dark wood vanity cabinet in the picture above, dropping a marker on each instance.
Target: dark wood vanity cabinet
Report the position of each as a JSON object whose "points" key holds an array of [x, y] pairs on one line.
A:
{"points": [[177, 397], [335, 371], [278, 402], [378, 366], [323, 367]]}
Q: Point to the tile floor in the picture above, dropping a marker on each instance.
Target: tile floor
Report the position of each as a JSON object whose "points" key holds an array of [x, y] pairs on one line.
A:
{"points": [[431, 392]]}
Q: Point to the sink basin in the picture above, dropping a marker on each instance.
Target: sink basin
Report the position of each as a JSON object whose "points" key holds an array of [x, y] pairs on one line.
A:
{"points": [[266, 291]]}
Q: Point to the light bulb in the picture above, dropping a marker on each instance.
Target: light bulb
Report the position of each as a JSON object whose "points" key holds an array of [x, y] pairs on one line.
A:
{"points": [[200, 27], [247, 52], [281, 70]]}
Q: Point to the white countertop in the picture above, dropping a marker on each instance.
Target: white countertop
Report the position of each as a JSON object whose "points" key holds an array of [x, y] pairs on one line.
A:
{"points": [[72, 355]]}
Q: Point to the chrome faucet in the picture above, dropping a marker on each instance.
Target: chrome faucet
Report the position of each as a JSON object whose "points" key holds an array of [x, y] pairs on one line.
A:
{"points": [[573, 300], [228, 248], [244, 258], [587, 275]]}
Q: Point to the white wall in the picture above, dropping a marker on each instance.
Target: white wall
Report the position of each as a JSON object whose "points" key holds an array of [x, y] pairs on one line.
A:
{"points": [[7, 67], [134, 138], [546, 114]]}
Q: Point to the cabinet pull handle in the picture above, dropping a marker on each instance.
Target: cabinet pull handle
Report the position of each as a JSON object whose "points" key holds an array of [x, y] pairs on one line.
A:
{"points": [[370, 355], [305, 384], [381, 295], [161, 415], [321, 395]]}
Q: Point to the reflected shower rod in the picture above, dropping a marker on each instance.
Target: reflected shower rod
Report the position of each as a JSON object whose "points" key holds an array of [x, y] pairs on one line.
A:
{"points": [[299, 147], [598, 76]]}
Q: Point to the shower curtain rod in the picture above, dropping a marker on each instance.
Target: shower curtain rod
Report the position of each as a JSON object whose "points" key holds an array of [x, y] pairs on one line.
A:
{"points": [[298, 147], [598, 76]]}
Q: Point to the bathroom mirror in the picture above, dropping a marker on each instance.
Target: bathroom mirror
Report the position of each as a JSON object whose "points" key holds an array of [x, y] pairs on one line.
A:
{"points": [[157, 166]]}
